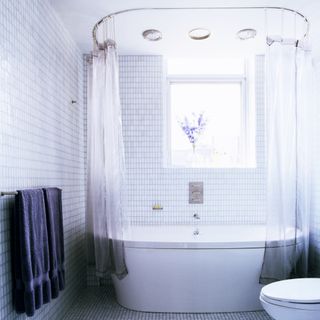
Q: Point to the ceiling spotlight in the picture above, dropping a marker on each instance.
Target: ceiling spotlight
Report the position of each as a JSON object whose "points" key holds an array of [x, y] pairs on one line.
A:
{"points": [[152, 35], [246, 34], [199, 34]]}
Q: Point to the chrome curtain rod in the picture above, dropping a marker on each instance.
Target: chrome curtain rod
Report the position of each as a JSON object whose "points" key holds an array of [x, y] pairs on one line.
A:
{"points": [[96, 26]]}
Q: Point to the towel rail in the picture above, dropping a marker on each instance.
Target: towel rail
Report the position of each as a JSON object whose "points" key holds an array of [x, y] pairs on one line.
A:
{"points": [[8, 193]]}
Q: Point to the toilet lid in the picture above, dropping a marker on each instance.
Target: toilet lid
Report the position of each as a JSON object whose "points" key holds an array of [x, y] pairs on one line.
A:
{"points": [[294, 290], [291, 305]]}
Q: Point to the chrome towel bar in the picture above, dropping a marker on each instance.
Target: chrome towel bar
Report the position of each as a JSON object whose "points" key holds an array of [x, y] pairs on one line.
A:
{"points": [[8, 193]]}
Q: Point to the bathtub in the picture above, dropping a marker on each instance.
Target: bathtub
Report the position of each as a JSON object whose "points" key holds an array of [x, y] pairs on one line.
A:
{"points": [[174, 269]]}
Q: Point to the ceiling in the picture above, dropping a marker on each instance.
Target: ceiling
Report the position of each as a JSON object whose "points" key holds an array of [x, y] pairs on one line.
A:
{"points": [[79, 17]]}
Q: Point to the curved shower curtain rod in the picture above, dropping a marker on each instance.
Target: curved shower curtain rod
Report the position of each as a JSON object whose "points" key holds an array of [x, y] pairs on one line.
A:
{"points": [[96, 26]]}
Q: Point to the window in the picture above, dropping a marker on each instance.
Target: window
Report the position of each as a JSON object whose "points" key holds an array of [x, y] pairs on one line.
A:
{"points": [[208, 116]]}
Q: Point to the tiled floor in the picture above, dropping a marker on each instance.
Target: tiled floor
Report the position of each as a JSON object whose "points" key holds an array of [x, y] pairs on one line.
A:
{"points": [[99, 303]]}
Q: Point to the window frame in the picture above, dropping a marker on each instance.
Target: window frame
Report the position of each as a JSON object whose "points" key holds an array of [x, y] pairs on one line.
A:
{"points": [[241, 79]]}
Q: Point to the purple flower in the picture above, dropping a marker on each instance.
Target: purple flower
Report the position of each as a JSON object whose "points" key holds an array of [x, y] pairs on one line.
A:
{"points": [[193, 128]]}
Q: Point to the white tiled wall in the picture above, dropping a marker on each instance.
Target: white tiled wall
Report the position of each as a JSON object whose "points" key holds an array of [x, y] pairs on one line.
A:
{"points": [[231, 196], [41, 133]]}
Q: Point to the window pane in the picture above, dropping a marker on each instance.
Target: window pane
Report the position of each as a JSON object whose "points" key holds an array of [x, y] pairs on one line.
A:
{"points": [[218, 144]]}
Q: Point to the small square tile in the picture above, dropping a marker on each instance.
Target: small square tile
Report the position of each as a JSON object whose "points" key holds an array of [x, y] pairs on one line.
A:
{"points": [[100, 303], [42, 136]]}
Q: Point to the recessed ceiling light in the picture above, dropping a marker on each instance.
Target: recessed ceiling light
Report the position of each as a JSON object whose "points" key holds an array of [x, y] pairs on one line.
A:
{"points": [[199, 34], [246, 34], [152, 35]]}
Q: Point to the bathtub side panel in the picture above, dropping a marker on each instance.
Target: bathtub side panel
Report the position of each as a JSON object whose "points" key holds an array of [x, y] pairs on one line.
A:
{"points": [[191, 280]]}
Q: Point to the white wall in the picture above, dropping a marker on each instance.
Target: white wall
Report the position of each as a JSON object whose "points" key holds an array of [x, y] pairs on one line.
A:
{"points": [[41, 134], [231, 196]]}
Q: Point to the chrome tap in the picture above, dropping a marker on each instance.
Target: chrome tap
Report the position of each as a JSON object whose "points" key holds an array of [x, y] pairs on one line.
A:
{"points": [[196, 216]]}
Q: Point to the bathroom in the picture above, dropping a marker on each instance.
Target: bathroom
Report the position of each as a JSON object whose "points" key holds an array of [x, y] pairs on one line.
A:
{"points": [[200, 226]]}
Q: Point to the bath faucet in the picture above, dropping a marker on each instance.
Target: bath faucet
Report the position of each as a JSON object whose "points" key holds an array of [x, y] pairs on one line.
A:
{"points": [[196, 216], [196, 231]]}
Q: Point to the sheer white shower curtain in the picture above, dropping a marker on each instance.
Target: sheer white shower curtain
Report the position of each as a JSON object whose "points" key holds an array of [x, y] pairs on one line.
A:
{"points": [[289, 107], [106, 166]]}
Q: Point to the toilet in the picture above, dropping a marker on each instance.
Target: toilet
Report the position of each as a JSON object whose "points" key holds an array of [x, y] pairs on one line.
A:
{"points": [[294, 299]]}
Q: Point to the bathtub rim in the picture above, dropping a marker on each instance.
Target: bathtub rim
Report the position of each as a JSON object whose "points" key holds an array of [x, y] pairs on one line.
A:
{"points": [[201, 245], [198, 242]]}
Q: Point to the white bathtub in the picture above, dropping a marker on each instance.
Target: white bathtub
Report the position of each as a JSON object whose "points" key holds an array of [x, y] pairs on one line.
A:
{"points": [[173, 270]]}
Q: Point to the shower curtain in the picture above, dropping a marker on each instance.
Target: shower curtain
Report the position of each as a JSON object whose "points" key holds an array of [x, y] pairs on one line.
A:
{"points": [[106, 166], [289, 106]]}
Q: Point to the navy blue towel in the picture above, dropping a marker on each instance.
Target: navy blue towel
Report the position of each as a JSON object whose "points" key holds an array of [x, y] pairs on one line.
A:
{"points": [[30, 252], [55, 236]]}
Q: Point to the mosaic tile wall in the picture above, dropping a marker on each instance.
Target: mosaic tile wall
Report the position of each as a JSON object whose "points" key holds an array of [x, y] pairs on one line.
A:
{"points": [[231, 196], [41, 134]]}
